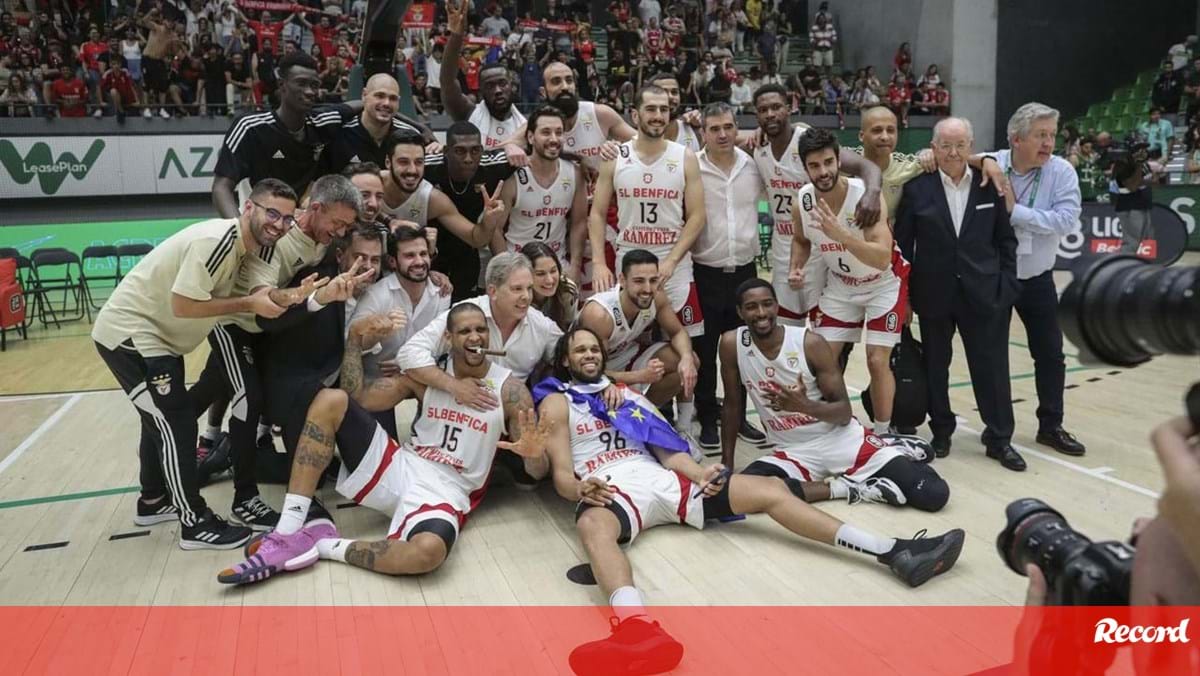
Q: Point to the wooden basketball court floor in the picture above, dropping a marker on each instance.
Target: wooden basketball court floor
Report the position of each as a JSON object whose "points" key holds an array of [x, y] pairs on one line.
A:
{"points": [[68, 481]]}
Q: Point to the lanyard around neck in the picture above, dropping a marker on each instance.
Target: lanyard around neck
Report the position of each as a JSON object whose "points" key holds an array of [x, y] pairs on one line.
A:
{"points": [[1037, 181]]}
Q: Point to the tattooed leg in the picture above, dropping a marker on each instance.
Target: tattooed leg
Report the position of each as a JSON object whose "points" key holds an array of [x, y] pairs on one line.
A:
{"points": [[422, 554], [315, 448]]}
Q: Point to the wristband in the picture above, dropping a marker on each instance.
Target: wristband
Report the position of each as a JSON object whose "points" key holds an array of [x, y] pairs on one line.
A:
{"points": [[313, 305]]}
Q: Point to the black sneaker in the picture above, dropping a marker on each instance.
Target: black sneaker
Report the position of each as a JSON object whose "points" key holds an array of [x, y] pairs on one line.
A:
{"points": [[159, 512], [212, 532], [751, 434], [918, 559], [254, 514], [636, 646], [709, 437], [213, 458]]}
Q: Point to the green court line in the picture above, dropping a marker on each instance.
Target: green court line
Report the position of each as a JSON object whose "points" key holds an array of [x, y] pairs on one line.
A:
{"points": [[66, 497]]}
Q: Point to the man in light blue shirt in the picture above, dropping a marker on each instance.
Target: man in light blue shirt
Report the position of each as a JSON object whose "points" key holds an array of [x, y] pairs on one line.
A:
{"points": [[1159, 134], [1043, 199]]}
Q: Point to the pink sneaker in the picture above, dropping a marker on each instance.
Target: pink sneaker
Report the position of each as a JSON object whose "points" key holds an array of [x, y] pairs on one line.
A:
{"points": [[275, 554], [321, 529]]}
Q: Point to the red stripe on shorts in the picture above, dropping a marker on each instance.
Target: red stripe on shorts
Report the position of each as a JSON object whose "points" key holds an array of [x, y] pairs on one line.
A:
{"points": [[685, 487], [870, 445], [784, 456], [443, 507], [383, 465], [637, 514]]}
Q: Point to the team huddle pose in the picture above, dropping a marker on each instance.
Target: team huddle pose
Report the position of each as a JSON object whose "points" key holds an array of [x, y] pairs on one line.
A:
{"points": [[573, 363]]}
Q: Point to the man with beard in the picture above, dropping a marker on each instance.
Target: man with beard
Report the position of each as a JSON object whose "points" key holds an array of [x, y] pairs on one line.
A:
{"points": [[783, 174], [410, 291], [408, 196], [161, 311], [793, 379], [541, 196], [625, 479], [361, 138], [368, 178], [464, 171], [624, 318], [862, 286], [427, 486], [680, 128], [660, 206], [495, 115], [284, 143], [231, 374], [302, 348]]}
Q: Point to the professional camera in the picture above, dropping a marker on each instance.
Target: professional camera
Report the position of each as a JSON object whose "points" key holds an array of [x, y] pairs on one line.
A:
{"points": [[1078, 572]]}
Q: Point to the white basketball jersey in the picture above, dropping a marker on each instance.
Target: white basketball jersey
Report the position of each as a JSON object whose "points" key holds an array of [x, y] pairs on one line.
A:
{"points": [[596, 446], [415, 208], [586, 137], [782, 178], [540, 214], [493, 131], [649, 200], [624, 333], [783, 428], [460, 439], [844, 268], [686, 137]]}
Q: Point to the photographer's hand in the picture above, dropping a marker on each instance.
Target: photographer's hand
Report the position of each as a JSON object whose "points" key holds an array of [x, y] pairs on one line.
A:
{"points": [[1180, 501]]}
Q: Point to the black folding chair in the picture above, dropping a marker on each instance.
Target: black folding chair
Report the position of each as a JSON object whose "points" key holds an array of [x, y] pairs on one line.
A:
{"points": [[106, 267], [128, 256], [57, 269]]}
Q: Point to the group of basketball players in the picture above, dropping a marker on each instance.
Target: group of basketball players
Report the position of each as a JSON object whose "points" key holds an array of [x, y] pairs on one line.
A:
{"points": [[572, 395]]}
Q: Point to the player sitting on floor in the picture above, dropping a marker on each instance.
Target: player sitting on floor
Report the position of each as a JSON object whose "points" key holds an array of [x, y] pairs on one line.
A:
{"points": [[628, 470], [794, 381], [428, 485]]}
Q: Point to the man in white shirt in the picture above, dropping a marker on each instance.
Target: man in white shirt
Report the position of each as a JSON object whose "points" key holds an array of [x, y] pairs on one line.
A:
{"points": [[724, 254], [741, 95], [650, 9]]}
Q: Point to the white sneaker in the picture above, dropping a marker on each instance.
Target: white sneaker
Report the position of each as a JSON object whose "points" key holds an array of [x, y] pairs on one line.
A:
{"points": [[874, 489], [914, 447], [146, 113], [164, 114], [98, 113]]}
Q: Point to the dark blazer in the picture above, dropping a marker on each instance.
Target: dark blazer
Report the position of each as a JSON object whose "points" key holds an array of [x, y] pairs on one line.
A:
{"points": [[981, 261], [299, 349]]}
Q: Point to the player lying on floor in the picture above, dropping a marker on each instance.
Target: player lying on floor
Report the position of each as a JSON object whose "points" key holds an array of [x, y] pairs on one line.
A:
{"points": [[628, 470], [428, 485]]}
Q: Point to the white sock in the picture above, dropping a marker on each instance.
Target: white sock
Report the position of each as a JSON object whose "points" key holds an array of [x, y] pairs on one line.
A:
{"points": [[263, 431], [881, 426], [627, 602], [333, 549], [838, 490], [293, 514], [862, 541], [211, 433], [685, 415]]}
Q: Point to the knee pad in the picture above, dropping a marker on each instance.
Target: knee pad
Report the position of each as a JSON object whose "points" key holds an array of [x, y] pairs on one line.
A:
{"points": [[796, 487], [759, 468], [438, 527]]}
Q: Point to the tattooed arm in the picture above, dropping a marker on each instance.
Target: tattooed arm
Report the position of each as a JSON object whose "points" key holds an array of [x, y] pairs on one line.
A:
{"points": [[520, 420], [373, 394]]}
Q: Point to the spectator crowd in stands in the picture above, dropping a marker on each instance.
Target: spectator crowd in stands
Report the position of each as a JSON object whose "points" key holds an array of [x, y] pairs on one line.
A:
{"points": [[186, 57]]}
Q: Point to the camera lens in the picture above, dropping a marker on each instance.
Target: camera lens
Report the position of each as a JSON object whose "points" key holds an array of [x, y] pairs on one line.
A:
{"points": [[1121, 310], [1037, 534]]}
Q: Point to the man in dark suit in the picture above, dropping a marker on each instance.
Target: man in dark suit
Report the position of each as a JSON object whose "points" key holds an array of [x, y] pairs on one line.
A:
{"points": [[962, 248], [302, 348]]}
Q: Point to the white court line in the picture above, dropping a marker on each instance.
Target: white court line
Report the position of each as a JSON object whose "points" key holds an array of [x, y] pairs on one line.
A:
{"points": [[54, 395], [46, 425], [1097, 473]]}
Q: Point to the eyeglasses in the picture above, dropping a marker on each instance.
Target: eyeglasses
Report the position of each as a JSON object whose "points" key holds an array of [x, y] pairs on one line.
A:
{"points": [[274, 215], [960, 148]]}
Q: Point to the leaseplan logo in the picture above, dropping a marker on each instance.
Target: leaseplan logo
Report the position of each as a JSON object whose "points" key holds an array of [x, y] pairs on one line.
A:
{"points": [[49, 171]]}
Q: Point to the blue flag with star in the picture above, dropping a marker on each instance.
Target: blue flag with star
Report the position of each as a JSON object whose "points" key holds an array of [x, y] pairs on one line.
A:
{"points": [[631, 419]]}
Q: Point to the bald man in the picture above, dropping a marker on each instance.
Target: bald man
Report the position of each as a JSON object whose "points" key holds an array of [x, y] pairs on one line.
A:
{"points": [[879, 134], [361, 139]]}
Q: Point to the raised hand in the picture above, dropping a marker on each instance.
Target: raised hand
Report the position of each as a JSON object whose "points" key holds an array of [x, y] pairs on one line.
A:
{"points": [[533, 435], [297, 294], [373, 328], [827, 222], [456, 16], [495, 211], [793, 398]]}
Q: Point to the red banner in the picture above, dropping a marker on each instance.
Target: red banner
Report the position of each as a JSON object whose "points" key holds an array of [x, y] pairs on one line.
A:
{"points": [[270, 6], [541, 639], [419, 15], [558, 26]]}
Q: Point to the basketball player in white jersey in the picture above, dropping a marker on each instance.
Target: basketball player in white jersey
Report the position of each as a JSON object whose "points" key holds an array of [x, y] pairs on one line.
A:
{"points": [[545, 196], [793, 379], [783, 174], [660, 206], [681, 128], [861, 286], [428, 485], [407, 195], [624, 318], [623, 486], [495, 115]]}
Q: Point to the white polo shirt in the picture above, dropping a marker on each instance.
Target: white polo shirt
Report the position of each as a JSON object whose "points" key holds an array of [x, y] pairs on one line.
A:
{"points": [[531, 343], [386, 295], [730, 235]]}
